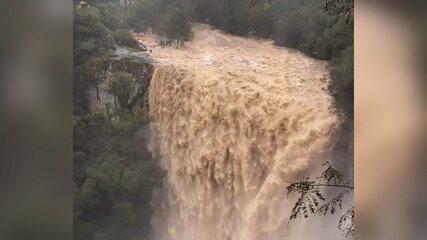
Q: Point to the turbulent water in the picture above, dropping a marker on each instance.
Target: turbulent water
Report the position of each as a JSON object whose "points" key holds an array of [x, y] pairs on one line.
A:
{"points": [[236, 119]]}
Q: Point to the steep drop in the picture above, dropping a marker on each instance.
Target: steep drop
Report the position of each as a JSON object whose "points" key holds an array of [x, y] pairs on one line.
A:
{"points": [[236, 119]]}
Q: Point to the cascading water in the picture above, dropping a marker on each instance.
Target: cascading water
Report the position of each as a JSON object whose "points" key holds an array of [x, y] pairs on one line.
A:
{"points": [[235, 120]]}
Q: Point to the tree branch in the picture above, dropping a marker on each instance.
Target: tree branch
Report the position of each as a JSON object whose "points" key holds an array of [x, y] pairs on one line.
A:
{"points": [[333, 185]]}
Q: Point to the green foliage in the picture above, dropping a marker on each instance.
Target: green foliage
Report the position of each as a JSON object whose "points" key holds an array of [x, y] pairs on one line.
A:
{"points": [[118, 120], [289, 29], [344, 8], [139, 26], [168, 18], [342, 73], [336, 38], [79, 132], [311, 37], [111, 14], [112, 185], [91, 36], [80, 153], [124, 38], [128, 91], [121, 86], [115, 197], [260, 22], [92, 40], [143, 14], [234, 18], [311, 201], [176, 26]]}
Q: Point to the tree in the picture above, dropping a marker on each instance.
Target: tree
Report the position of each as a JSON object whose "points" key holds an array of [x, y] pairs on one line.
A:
{"points": [[342, 73], [92, 40], [112, 184], [260, 22], [143, 14], [124, 38], [311, 200], [345, 8], [176, 26], [289, 29], [111, 15], [234, 19], [122, 87]]}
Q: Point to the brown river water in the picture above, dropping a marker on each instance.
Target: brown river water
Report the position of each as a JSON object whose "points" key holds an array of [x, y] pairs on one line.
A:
{"points": [[235, 119]]}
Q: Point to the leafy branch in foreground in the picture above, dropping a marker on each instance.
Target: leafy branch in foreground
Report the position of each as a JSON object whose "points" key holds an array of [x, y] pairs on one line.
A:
{"points": [[312, 202]]}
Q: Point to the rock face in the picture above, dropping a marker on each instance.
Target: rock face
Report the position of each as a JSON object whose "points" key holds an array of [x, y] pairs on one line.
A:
{"points": [[139, 65], [236, 119]]}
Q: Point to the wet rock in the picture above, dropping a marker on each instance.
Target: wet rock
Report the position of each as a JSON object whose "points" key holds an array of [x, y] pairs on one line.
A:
{"points": [[139, 65]]}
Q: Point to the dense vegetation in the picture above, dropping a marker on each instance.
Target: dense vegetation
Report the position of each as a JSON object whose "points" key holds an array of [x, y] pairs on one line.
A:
{"points": [[113, 183], [113, 179], [167, 18]]}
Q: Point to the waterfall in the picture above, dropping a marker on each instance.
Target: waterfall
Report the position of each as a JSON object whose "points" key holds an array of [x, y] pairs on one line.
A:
{"points": [[232, 133]]}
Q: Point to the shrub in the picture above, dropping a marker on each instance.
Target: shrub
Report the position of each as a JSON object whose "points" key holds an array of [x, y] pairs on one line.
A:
{"points": [[139, 27], [124, 38], [260, 21], [289, 29], [121, 86], [342, 85]]}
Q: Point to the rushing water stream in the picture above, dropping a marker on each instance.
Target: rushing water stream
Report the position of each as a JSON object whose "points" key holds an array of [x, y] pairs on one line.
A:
{"points": [[236, 119]]}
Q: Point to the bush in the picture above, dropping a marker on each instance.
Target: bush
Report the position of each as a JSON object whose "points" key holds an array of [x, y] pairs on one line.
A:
{"points": [[124, 38], [260, 21], [336, 37], [110, 15], [289, 29], [311, 38], [342, 85], [139, 27], [122, 87]]}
